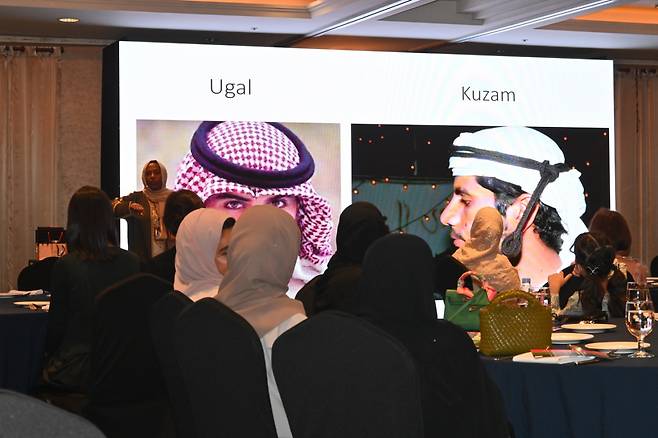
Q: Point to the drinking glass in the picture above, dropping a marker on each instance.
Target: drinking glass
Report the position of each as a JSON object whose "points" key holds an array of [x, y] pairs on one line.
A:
{"points": [[637, 292], [639, 322], [555, 304], [542, 295]]}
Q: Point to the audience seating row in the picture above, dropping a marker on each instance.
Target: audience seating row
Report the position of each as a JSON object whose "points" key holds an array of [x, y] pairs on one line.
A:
{"points": [[165, 366]]}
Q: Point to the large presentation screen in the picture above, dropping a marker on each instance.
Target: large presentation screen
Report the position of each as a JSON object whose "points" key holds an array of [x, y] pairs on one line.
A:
{"points": [[319, 129]]}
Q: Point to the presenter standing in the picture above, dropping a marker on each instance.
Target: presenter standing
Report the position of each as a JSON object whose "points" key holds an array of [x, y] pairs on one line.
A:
{"points": [[144, 212]]}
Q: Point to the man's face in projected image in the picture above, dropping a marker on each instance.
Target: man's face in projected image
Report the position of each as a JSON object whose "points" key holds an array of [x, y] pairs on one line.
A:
{"points": [[467, 199], [234, 204], [235, 165]]}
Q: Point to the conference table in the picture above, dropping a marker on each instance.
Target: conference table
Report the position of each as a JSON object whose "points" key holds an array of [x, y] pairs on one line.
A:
{"points": [[22, 341], [616, 398]]}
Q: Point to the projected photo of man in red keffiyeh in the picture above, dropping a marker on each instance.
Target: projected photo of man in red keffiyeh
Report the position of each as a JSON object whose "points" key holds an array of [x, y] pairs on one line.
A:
{"points": [[236, 164]]}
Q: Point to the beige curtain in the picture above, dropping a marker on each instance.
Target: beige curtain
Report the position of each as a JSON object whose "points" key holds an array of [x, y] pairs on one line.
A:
{"points": [[636, 126], [29, 78]]}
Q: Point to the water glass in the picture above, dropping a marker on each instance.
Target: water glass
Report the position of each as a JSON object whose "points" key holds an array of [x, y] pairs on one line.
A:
{"points": [[639, 322], [543, 296], [637, 292], [555, 304]]}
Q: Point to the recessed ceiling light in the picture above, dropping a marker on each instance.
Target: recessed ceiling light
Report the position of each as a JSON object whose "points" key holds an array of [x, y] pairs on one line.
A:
{"points": [[68, 20]]}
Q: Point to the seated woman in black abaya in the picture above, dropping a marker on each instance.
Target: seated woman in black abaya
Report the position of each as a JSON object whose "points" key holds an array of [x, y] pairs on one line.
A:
{"points": [[395, 293], [360, 224]]}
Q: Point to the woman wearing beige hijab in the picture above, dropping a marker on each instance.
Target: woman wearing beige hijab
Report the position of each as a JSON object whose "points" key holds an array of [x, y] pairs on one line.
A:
{"points": [[201, 245], [261, 260], [480, 253]]}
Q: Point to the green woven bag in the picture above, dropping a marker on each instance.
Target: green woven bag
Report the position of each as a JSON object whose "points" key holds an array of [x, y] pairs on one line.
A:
{"points": [[508, 329]]}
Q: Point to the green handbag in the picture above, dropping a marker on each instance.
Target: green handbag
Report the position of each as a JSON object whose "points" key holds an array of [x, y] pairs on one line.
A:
{"points": [[463, 311]]}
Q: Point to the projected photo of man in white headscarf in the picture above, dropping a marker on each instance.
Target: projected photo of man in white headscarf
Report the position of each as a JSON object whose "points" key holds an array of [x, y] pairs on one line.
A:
{"points": [[522, 173]]}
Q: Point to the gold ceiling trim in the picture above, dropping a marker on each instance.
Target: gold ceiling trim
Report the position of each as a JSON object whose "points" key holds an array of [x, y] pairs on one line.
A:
{"points": [[624, 14]]}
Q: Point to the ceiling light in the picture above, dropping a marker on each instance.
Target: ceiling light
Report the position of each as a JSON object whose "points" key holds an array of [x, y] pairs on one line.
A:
{"points": [[68, 20], [536, 20], [363, 17]]}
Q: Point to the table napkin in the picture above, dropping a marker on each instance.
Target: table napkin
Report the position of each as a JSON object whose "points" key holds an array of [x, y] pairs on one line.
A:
{"points": [[22, 293], [556, 360]]}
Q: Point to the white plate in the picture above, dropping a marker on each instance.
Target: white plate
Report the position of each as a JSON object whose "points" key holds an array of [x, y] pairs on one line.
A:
{"points": [[555, 360], [589, 328], [616, 346], [36, 303], [569, 338]]}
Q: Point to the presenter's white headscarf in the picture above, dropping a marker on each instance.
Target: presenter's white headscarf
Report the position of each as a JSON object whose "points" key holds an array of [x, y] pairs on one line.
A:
{"points": [[565, 194]]}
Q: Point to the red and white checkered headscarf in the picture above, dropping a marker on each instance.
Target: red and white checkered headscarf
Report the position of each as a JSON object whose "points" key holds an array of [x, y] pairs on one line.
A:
{"points": [[262, 147]]}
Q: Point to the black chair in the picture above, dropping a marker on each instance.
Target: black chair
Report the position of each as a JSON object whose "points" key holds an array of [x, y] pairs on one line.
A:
{"points": [[37, 275], [127, 396], [223, 368], [23, 416], [340, 376], [164, 314]]}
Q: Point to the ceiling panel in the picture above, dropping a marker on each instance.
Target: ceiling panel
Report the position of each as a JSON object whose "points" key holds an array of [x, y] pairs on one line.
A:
{"points": [[418, 24]]}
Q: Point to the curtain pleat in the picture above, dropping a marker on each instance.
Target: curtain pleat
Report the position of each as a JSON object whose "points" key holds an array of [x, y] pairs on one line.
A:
{"points": [[636, 125], [29, 84]]}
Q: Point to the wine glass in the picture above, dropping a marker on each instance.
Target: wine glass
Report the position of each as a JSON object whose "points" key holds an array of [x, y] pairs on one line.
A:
{"points": [[636, 291], [639, 322]]}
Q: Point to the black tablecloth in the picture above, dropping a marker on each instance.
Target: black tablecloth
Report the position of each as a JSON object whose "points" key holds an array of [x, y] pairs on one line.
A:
{"points": [[607, 399], [22, 339]]}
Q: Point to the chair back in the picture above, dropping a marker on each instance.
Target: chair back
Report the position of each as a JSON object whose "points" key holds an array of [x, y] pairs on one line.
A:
{"points": [[340, 376], [223, 368], [37, 275], [127, 392], [307, 296], [23, 416], [164, 314]]}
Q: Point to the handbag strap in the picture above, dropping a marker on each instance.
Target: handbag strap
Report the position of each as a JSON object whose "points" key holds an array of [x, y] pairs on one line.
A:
{"points": [[532, 301], [465, 275], [467, 303]]}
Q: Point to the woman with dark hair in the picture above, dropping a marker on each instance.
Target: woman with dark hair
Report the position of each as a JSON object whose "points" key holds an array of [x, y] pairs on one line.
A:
{"points": [[94, 262], [603, 286], [360, 224], [614, 226], [396, 294]]}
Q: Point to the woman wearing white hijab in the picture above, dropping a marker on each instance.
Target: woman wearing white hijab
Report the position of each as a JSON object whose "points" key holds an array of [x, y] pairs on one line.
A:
{"points": [[201, 245], [261, 260]]}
